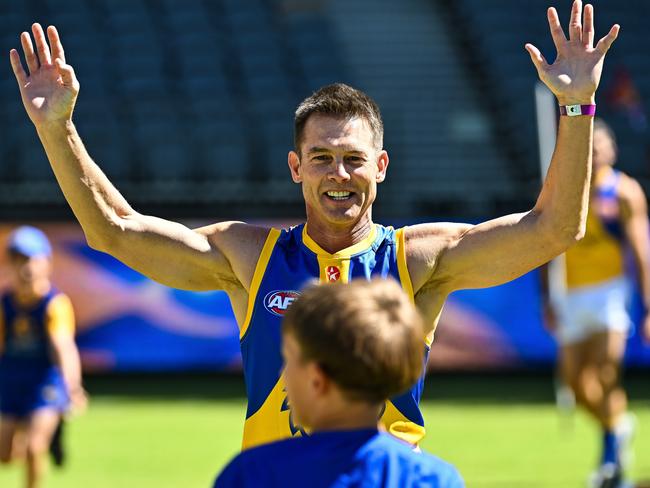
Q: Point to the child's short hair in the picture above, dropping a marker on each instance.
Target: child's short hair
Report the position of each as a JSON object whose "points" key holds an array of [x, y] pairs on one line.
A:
{"points": [[366, 336]]}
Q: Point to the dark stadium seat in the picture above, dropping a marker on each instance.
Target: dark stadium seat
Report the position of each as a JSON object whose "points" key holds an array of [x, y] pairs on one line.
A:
{"points": [[500, 32], [174, 93]]}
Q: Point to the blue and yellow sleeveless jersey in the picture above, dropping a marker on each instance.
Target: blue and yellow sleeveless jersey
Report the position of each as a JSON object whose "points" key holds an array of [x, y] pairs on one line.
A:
{"points": [[289, 261], [599, 256], [29, 379], [338, 459]]}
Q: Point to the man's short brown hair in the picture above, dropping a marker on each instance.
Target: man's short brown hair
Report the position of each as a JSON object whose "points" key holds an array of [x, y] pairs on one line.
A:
{"points": [[366, 336], [339, 100]]}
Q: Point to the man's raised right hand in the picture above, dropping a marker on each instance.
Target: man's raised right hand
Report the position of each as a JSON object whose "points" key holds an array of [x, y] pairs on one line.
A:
{"points": [[50, 90]]}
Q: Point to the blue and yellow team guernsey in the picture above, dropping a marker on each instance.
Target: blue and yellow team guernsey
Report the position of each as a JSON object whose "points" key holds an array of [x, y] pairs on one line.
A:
{"points": [[599, 256], [289, 261], [29, 377]]}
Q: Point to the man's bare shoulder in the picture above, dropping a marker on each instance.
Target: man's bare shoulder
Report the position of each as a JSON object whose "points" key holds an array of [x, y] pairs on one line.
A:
{"points": [[425, 243], [245, 234], [439, 230], [630, 190], [240, 243]]}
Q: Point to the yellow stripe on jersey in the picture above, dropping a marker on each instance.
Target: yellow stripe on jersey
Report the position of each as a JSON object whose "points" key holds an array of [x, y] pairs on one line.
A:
{"points": [[404, 276], [59, 316], [260, 268], [401, 427], [597, 258], [396, 423], [270, 423]]}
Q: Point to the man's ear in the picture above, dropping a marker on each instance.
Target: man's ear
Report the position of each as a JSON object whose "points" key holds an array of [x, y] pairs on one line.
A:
{"points": [[294, 166], [382, 166]]}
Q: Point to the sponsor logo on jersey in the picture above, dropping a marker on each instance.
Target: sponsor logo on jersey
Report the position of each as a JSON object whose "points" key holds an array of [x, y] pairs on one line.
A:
{"points": [[333, 273], [277, 302]]}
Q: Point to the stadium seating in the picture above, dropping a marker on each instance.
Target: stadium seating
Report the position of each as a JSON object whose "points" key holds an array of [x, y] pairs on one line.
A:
{"points": [[495, 36], [443, 150], [197, 98]]}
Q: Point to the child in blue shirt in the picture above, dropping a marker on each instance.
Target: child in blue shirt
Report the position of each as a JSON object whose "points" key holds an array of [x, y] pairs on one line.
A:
{"points": [[347, 349]]}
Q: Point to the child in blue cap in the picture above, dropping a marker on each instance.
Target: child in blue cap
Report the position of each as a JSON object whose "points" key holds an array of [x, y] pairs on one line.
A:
{"points": [[40, 373]]}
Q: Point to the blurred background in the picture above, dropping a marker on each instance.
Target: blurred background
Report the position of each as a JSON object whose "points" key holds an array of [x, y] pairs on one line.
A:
{"points": [[187, 105]]}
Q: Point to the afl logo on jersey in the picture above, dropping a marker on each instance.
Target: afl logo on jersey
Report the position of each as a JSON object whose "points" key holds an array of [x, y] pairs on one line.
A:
{"points": [[333, 273], [277, 302]]}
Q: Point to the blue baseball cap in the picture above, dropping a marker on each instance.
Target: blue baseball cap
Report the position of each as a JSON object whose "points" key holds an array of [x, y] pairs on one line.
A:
{"points": [[29, 241]]}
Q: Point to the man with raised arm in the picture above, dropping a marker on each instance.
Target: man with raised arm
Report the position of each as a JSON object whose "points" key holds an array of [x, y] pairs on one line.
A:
{"points": [[590, 320], [338, 159]]}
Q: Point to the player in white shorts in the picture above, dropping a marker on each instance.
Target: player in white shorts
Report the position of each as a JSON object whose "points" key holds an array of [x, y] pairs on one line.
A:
{"points": [[591, 321], [594, 309]]}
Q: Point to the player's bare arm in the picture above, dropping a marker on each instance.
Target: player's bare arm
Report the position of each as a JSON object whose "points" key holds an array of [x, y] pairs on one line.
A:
{"points": [[634, 211], [447, 257], [216, 257], [66, 356], [60, 322]]}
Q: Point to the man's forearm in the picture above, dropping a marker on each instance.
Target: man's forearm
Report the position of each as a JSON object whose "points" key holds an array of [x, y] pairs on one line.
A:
{"points": [[72, 371], [564, 200], [92, 197], [637, 231], [67, 358]]}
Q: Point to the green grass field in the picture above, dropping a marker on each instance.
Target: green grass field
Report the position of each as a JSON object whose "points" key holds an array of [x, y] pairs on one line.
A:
{"points": [[178, 432]]}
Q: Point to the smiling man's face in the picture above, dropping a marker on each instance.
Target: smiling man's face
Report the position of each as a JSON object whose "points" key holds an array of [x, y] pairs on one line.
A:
{"points": [[339, 167]]}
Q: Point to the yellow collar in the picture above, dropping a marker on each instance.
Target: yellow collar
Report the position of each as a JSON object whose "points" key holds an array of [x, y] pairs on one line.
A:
{"points": [[343, 253]]}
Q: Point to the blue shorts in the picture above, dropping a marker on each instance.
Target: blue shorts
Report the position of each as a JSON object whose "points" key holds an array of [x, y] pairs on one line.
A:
{"points": [[24, 391]]}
